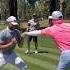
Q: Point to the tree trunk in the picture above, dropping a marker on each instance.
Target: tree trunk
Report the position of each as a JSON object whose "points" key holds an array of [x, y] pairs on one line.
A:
{"points": [[13, 7], [53, 5]]}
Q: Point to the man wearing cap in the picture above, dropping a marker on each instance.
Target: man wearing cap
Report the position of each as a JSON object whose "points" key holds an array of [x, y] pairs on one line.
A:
{"points": [[60, 32], [33, 24], [9, 37]]}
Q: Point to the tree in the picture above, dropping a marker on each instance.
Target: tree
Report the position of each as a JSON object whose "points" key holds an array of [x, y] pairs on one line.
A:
{"points": [[13, 7], [41, 8], [53, 5]]}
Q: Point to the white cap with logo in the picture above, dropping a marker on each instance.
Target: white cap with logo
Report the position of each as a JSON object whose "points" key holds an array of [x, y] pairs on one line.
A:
{"points": [[56, 15], [12, 20]]}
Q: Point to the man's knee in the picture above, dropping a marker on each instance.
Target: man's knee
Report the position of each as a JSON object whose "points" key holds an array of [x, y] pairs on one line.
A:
{"points": [[2, 60], [2, 63], [20, 64]]}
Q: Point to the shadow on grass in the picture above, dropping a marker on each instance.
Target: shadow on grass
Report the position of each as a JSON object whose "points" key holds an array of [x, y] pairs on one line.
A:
{"points": [[41, 51]]}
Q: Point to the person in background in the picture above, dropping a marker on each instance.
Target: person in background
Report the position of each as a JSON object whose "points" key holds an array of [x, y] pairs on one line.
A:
{"points": [[60, 32], [33, 24], [9, 37]]}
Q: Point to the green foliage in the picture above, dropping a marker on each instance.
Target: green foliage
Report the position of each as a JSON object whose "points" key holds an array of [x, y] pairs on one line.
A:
{"points": [[67, 9], [32, 2], [25, 8]]}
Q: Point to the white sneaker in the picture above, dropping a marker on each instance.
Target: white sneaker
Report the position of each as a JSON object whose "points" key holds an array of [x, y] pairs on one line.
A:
{"points": [[36, 51], [27, 51]]}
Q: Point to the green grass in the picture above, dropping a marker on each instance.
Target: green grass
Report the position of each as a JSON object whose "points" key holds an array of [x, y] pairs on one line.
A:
{"points": [[40, 61]]}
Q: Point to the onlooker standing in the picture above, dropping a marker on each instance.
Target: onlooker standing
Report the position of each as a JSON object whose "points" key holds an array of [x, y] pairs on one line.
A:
{"points": [[33, 24]]}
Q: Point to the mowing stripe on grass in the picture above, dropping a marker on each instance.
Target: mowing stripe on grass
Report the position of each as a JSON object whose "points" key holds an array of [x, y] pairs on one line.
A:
{"points": [[32, 66], [51, 50], [48, 65], [49, 55], [39, 62], [45, 56]]}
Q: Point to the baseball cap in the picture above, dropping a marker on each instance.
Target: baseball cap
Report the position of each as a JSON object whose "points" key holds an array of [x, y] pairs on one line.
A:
{"points": [[11, 19], [56, 15], [14, 23]]}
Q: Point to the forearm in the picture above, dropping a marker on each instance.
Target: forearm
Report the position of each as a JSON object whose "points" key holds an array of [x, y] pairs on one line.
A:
{"points": [[6, 45], [34, 33]]}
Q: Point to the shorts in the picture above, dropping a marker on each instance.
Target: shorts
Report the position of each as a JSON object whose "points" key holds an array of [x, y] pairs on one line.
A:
{"points": [[32, 37]]}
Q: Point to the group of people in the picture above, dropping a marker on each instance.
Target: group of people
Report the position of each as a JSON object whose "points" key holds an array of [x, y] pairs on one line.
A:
{"points": [[59, 31], [11, 37]]}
